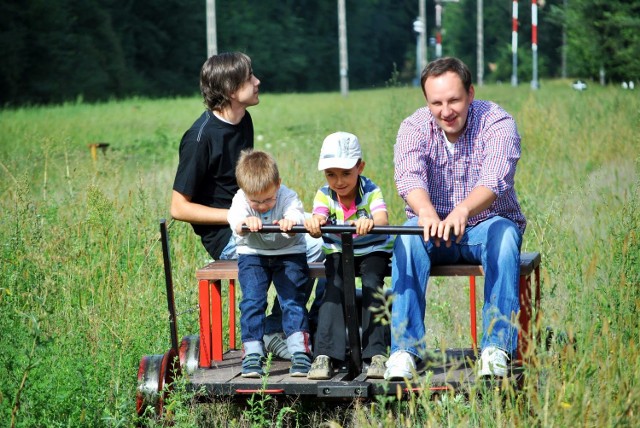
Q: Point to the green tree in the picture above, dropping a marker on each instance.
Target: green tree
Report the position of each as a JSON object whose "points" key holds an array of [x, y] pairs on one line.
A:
{"points": [[604, 35]]}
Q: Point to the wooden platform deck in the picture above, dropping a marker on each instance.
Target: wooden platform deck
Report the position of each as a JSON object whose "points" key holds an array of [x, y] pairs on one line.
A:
{"points": [[444, 371]]}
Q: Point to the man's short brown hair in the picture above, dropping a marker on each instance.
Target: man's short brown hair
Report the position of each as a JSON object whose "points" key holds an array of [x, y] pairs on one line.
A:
{"points": [[443, 65]]}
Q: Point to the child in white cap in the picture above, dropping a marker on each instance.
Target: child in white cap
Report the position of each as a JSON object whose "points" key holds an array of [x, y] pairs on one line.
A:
{"points": [[349, 198]]}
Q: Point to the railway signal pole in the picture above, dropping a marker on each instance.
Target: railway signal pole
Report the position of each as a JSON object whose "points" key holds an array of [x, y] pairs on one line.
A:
{"points": [[480, 43], [534, 43], [439, 25], [438, 28], [514, 44]]}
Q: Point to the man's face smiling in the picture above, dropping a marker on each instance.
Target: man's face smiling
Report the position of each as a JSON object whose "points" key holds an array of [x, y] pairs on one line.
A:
{"points": [[449, 103]]}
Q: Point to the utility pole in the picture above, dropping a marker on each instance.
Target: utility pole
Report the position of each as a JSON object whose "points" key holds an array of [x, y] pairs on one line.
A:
{"points": [[419, 28], [342, 40], [480, 43], [212, 41], [422, 7], [565, 3]]}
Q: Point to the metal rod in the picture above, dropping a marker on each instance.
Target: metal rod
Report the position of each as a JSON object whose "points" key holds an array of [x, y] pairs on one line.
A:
{"points": [[350, 310], [385, 230], [169, 281]]}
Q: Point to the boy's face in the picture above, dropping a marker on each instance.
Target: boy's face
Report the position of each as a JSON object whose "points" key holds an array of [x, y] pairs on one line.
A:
{"points": [[344, 181], [264, 201], [247, 94]]}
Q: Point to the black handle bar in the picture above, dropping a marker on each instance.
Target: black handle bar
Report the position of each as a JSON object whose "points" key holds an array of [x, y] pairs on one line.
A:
{"points": [[388, 230]]}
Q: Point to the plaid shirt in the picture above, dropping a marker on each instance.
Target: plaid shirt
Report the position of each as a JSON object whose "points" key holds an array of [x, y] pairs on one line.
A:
{"points": [[485, 154]]}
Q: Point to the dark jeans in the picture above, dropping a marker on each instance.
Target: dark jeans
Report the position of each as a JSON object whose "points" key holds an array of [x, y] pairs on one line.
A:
{"points": [[330, 337], [290, 275], [273, 321]]}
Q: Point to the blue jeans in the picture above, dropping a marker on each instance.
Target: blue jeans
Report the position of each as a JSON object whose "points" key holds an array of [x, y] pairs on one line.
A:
{"points": [[290, 274], [273, 322], [494, 243]]}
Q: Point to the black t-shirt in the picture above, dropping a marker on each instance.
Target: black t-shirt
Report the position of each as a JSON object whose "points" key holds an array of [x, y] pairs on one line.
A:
{"points": [[209, 151]]}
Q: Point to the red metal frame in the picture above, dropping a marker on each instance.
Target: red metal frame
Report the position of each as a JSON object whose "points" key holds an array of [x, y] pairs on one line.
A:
{"points": [[232, 314], [210, 302], [527, 311], [472, 311], [206, 332]]}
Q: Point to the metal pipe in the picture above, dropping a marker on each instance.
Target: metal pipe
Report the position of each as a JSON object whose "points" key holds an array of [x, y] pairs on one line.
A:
{"points": [[380, 230], [169, 282]]}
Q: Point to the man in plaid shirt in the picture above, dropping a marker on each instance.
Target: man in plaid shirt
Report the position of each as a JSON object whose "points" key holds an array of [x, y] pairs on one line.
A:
{"points": [[455, 163]]}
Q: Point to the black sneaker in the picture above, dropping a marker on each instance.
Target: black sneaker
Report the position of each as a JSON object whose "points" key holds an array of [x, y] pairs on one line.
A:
{"points": [[252, 366], [300, 364]]}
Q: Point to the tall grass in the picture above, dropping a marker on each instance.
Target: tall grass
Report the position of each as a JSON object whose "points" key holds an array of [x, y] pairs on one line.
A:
{"points": [[81, 282]]}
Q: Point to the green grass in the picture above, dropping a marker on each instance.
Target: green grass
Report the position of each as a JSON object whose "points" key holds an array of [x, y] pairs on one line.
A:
{"points": [[82, 292]]}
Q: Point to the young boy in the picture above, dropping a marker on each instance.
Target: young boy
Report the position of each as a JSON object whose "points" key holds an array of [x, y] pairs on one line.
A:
{"points": [[263, 258], [352, 199]]}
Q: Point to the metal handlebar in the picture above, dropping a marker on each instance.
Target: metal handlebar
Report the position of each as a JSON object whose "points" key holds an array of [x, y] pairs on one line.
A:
{"points": [[348, 270], [380, 230]]}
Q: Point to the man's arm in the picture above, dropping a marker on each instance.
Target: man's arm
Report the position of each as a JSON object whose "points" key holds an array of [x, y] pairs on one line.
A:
{"points": [[183, 209], [478, 200], [420, 203]]}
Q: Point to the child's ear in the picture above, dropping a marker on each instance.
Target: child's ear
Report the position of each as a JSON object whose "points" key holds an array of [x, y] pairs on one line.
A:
{"points": [[361, 167]]}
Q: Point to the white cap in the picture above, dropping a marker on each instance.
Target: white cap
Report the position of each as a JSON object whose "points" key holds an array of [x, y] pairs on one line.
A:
{"points": [[339, 150]]}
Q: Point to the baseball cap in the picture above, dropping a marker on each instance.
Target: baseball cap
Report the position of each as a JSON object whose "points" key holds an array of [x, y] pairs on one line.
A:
{"points": [[339, 150]]}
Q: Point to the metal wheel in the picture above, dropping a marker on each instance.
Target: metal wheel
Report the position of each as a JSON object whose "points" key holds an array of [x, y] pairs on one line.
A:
{"points": [[190, 353], [154, 372]]}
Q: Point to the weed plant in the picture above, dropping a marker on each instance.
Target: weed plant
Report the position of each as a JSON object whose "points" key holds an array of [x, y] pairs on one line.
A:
{"points": [[82, 292]]}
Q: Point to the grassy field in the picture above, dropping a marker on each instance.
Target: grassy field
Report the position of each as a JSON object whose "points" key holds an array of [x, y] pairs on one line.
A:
{"points": [[82, 292]]}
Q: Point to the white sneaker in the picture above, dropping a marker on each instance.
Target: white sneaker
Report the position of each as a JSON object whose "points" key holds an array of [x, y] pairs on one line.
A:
{"points": [[493, 362], [277, 345], [400, 366]]}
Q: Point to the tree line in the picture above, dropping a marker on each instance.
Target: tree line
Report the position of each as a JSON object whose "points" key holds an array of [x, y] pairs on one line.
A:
{"points": [[65, 50]]}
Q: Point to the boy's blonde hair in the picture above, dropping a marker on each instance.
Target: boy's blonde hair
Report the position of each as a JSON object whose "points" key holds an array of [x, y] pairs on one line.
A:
{"points": [[256, 171]]}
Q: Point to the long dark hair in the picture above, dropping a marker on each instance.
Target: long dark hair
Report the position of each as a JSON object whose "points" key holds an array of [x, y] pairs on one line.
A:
{"points": [[222, 75]]}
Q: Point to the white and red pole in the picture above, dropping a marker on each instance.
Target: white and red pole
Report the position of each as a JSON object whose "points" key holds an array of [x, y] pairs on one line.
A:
{"points": [[514, 44], [438, 29], [534, 44]]}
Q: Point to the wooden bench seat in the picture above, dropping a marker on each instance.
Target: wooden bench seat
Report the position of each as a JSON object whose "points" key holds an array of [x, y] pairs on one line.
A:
{"points": [[210, 301]]}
